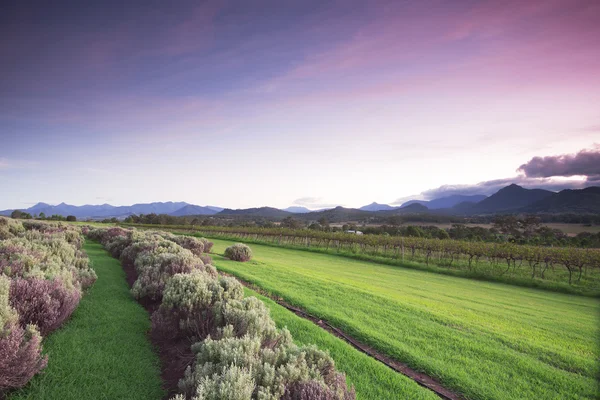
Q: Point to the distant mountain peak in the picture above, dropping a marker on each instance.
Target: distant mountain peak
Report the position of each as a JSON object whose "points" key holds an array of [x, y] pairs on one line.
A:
{"points": [[375, 206]]}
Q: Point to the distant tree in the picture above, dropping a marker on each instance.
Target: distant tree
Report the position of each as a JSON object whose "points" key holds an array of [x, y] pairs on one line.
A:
{"points": [[508, 225], [414, 231], [315, 226], [16, 214], [323, 222], [530, 224], [71, 218], [395, 220], [291, 222], [42, 215]]}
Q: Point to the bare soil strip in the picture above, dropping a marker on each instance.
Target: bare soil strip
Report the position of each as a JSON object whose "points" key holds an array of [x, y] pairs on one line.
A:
{"points": [[422, 379]]}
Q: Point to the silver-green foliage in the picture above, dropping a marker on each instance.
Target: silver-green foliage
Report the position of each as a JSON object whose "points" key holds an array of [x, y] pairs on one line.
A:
{"points": [[238, 252]]}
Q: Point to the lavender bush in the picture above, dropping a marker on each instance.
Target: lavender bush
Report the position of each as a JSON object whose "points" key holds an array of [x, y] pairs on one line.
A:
{"points": [[238, 252]]}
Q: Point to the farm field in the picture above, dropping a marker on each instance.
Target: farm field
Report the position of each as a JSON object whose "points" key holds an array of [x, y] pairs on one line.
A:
{"points": [[371, 379], [102, 352], [484, 340], [561, 269], [569, 229]]}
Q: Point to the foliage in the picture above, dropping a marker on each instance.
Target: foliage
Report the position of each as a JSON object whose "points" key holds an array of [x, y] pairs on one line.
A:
{"points": [[103, 351], [155, 269], [199, 306], [263, 370], [20, 356], [42, 273], [238, 252], [546, 342], [44, 303]]}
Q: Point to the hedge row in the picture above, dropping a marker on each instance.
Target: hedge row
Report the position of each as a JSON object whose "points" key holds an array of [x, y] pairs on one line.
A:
{"points": [[43, 272], [237, 351]]}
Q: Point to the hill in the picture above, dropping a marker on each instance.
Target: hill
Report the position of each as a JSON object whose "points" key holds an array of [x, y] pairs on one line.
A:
{"points": [[447, 202], [194, 210], [509, 199], [265, 212], [569, 201], [413, 208], [337, 214], [297, 210], [377, 207]]}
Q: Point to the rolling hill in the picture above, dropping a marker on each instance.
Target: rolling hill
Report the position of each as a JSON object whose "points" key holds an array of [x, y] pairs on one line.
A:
{"points": [[297, 210], [265, 212], [509, 199], [377, 207], [191, 209], [447, 201], [569, 201]]}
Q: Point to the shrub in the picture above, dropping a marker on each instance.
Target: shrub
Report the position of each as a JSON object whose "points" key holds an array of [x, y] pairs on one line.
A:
{"points": [[154, 269], [117, 244], [20, 356], [44, 303], [314, 390], [206, 259], [11, 227], [249, 316], [238, 252], [207, 244], [274, 370], [192, 305], [45, 257], [233, 384], [195, 245], [130, 253], [20, 350], [7, 314]]}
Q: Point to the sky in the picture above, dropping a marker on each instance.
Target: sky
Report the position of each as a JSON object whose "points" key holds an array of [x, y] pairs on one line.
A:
{"points": [[311, 103]]}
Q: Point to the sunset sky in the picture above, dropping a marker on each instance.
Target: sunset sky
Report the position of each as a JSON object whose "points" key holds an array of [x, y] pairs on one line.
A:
{"points": [[315, 103]]}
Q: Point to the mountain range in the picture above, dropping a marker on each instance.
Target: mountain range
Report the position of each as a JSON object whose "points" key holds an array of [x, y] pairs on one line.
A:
{"points": [[510, 199], [109, 211]]}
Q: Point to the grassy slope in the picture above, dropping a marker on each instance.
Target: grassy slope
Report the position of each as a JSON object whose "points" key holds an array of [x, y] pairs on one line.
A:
{"points": [[102, 352], [486, 340], [371, 379]]}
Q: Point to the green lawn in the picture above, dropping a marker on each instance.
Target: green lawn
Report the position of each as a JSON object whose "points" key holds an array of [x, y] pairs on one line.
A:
{"points": [[485, 340], [371, 379], [102, 352]]}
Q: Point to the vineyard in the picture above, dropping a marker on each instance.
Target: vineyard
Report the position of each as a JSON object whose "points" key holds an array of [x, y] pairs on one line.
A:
{"points": [[571, 266]]}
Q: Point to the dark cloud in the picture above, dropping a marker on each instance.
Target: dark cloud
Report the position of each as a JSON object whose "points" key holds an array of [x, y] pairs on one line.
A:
{"points": [[538, 173], [584, 163]]}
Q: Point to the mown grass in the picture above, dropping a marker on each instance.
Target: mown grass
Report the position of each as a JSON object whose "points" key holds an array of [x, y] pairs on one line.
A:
{"points": [[484, 340], [102, 352], [370, 378]]}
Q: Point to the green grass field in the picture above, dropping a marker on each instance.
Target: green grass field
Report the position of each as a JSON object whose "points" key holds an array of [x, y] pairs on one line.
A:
{"points": [[102, 352], [484, 340], [371, 379]]}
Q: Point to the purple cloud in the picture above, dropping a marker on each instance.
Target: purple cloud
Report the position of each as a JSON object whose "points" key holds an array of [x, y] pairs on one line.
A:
{"points": [[585, 163]]}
